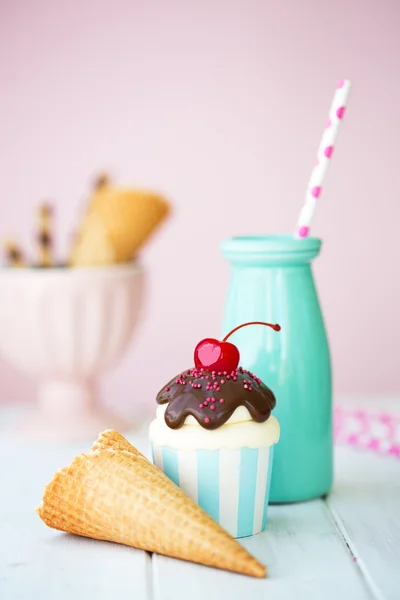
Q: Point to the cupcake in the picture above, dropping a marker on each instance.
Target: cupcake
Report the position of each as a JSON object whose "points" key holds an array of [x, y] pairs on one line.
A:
{"points": [[214, 436]]}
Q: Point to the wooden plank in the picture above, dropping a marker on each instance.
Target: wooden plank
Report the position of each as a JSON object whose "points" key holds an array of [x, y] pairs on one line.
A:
{"points": [[38, 562], [366, 506], [9, 415], [305, 555], [309, 548]]}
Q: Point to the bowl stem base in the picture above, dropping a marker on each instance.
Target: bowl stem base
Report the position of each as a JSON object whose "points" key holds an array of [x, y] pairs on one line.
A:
{"points": [[68, 410]]}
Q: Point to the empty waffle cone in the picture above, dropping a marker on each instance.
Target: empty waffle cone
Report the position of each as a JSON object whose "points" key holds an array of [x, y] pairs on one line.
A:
{"points": [[119, 496], [112, 440], [128, 218]]}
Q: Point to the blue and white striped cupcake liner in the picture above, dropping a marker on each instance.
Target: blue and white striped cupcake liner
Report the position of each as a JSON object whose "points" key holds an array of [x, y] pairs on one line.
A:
{"points": [[231, 485]]}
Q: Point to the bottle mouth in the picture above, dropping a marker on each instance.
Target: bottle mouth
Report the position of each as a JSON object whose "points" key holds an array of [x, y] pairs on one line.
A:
{"points": [[270, 248]]}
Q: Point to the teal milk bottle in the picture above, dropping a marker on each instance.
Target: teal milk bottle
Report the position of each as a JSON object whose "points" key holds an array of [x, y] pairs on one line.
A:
{"points": [[271, 280]]}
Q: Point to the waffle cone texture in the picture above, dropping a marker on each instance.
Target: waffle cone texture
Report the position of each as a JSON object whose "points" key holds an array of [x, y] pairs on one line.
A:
{"points": [[114, 493], [117, 225]]}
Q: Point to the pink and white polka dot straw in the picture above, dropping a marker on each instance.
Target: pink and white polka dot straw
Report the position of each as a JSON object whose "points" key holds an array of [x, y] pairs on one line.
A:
{"points": [[324, 156]]}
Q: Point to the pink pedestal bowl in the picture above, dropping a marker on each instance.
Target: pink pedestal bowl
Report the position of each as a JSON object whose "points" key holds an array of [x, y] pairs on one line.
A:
{"points": [[66, 327]]}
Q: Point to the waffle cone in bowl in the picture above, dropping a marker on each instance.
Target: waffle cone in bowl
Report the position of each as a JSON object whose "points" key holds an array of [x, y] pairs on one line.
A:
{"points": [[117, 224], [117, 495]]}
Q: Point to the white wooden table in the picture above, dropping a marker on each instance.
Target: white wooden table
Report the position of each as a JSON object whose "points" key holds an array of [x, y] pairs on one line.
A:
{"points": [[344, 547]]}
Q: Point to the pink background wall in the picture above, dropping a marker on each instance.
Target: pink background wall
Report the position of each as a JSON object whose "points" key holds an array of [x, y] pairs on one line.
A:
{"points": [[220, 104]]}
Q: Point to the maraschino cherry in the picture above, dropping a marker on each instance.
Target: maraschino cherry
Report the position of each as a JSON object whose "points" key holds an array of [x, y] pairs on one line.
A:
{"points": [[214, 355]]}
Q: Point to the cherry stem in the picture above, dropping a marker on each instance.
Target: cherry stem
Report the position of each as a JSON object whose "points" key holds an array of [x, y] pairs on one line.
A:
{"points": [[275, 327]]}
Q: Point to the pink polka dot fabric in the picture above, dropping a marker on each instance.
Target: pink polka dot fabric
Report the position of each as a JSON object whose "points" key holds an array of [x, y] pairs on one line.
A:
{"points": [[377, 432]]}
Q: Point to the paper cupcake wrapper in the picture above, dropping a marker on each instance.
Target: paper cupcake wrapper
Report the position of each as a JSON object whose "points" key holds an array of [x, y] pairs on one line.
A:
{"points": [[231, 485]]}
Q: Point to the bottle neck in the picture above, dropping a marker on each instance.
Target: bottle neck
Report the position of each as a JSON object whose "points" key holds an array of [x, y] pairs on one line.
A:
{"points": [[270, 251]]}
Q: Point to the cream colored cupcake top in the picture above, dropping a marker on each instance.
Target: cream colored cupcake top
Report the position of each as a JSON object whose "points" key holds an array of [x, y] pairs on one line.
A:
{"points": [[217, 403], [238, 432]]}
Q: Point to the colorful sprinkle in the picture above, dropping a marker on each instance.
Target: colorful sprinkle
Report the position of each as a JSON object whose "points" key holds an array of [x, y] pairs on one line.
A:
{"points": [[222, 401], [167, 389], [212, 407], [201, 405], [207, 419]]}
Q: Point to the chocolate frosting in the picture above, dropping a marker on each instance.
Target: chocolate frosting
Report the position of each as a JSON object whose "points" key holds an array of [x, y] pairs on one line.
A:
{"points": [[212, 397]]}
